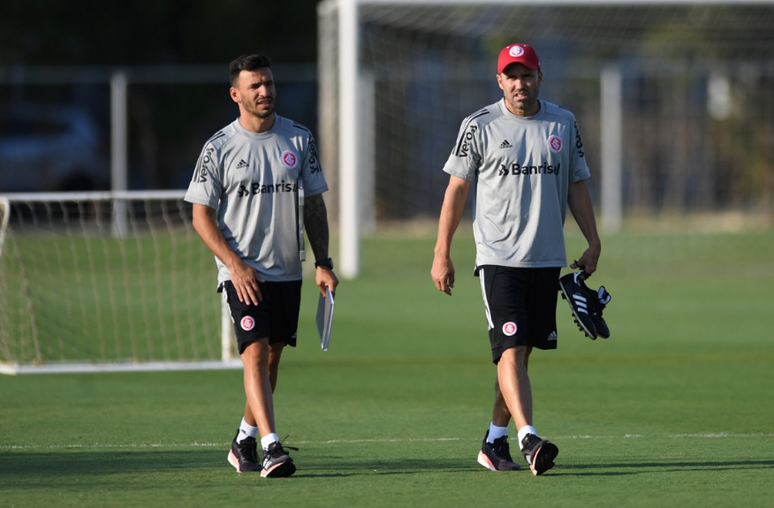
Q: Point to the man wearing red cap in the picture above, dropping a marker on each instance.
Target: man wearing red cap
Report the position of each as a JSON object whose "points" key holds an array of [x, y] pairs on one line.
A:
{"points": [[527, 159]]}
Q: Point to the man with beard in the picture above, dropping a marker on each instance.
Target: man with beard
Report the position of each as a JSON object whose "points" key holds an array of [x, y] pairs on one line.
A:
{"points": [[526, 157], [256, 187]]}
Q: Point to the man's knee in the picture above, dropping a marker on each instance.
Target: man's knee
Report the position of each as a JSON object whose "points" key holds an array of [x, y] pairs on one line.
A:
{"points": [[517, 355], [275, 353], [256, 351]]}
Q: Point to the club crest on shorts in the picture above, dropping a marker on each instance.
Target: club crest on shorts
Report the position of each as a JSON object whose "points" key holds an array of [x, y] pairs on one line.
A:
{"points": [[247, 323], [289, 159], [509, 328], [555, 144]]}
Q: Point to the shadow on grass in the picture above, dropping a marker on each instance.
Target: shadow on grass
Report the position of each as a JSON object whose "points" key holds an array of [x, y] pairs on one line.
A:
{"points": [[659, 467], [344, 467], [409, 466], [18, 465], [80, 462]]}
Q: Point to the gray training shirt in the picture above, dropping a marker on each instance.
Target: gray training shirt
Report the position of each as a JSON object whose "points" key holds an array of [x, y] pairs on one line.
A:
{"points": [[252, 180], [522, 167]]}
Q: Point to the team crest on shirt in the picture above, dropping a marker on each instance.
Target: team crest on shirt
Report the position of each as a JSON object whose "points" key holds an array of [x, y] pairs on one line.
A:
{"points": [[289, 159], [247, 323], [509, 328], [555, 144]]}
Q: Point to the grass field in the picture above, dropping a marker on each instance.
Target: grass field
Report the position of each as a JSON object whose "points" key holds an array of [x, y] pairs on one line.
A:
{"points": [[675, 409]]}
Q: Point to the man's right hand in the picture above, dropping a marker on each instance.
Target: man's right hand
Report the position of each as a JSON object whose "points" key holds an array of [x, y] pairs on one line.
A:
{"points": [[443, 274], [245, 280]]}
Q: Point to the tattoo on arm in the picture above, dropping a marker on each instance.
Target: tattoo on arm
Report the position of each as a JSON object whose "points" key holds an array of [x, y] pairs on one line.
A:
{"points": [[316, 225]]}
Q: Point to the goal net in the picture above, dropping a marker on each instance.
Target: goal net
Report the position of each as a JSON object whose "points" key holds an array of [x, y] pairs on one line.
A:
{"points": [[106, 281], [673, 99]]}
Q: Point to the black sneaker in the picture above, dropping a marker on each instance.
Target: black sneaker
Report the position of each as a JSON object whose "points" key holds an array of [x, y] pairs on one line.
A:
{"points": [[580, 299], [244, 456], [598, 304], [540, 454], [276, 462], [497, 456]]}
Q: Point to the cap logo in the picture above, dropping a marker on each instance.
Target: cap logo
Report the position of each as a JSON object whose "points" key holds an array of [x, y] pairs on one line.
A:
{"points": [[509, 328], [247, 323], [289, 159], [516, 51], [555, 144]]}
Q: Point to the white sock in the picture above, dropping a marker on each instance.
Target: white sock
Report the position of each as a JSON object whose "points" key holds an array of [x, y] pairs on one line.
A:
{"points": [[269, 439], [527, 429], [496, 432], [246, 430]]}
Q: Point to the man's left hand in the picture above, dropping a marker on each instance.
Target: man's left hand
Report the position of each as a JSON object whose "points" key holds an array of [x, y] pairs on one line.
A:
{"points": [[325, 277]]}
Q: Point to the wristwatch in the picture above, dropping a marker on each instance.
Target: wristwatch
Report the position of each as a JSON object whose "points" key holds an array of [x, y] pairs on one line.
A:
{"points": [[325, 263]]}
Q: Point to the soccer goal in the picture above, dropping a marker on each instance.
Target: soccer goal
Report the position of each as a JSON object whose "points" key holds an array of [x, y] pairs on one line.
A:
{"points": [[107, 281], [673, 99]]}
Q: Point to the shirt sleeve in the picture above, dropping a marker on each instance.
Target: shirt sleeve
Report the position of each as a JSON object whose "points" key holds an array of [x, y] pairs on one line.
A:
{"points": [[465, 157], [312, 178], [206, 185], [579, 169]]}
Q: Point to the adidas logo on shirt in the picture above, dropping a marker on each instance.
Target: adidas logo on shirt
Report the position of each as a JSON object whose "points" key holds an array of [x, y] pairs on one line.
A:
{"points": [[242, 164], [505, 144]]}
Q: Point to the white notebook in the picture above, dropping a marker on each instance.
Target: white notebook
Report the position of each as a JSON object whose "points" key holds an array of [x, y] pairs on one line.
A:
{"points": [[325, 318]]}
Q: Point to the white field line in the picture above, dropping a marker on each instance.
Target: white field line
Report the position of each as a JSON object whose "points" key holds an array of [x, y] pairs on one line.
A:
{"points": [[714, 435]]}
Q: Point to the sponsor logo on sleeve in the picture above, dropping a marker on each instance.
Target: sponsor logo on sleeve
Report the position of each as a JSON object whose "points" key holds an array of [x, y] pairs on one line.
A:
{"points": [[579, 142], [463, 146], [203, 169], [314, 163]]}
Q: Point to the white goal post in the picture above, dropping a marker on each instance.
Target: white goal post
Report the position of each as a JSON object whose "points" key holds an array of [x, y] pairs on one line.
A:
{"points": [[392, 96], [107, 281]]}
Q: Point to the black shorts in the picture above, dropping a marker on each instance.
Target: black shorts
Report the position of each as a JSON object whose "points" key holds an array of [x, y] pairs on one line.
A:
{"points": [[520, 306], [275, 317]]}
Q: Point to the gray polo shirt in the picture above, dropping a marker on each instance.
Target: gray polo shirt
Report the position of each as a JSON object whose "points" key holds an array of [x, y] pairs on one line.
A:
{"points": [[253, 181], [522, 167]]}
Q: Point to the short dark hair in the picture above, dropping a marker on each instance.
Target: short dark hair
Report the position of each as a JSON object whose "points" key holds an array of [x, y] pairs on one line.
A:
{"points": [[247, 63]]}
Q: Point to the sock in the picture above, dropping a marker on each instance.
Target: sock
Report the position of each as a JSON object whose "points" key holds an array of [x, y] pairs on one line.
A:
{"points": [[496, 432], [246, 430], [268, 439], [527, 429]]}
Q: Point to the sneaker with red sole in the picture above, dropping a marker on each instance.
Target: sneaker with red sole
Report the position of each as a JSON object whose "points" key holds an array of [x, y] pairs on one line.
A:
{"points": [[540, 454], [244, 456], [496, 456], [276, 462]]}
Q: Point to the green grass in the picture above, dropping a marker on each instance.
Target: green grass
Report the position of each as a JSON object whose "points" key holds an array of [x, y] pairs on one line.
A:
{"points": [[675, 409]]}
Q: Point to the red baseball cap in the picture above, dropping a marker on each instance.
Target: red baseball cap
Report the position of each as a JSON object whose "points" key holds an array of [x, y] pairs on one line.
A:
{"points": [[518, 53]]}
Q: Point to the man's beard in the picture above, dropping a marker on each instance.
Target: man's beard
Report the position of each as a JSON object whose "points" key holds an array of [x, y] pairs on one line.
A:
{"points": [[257, 110], [265, 114]]}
